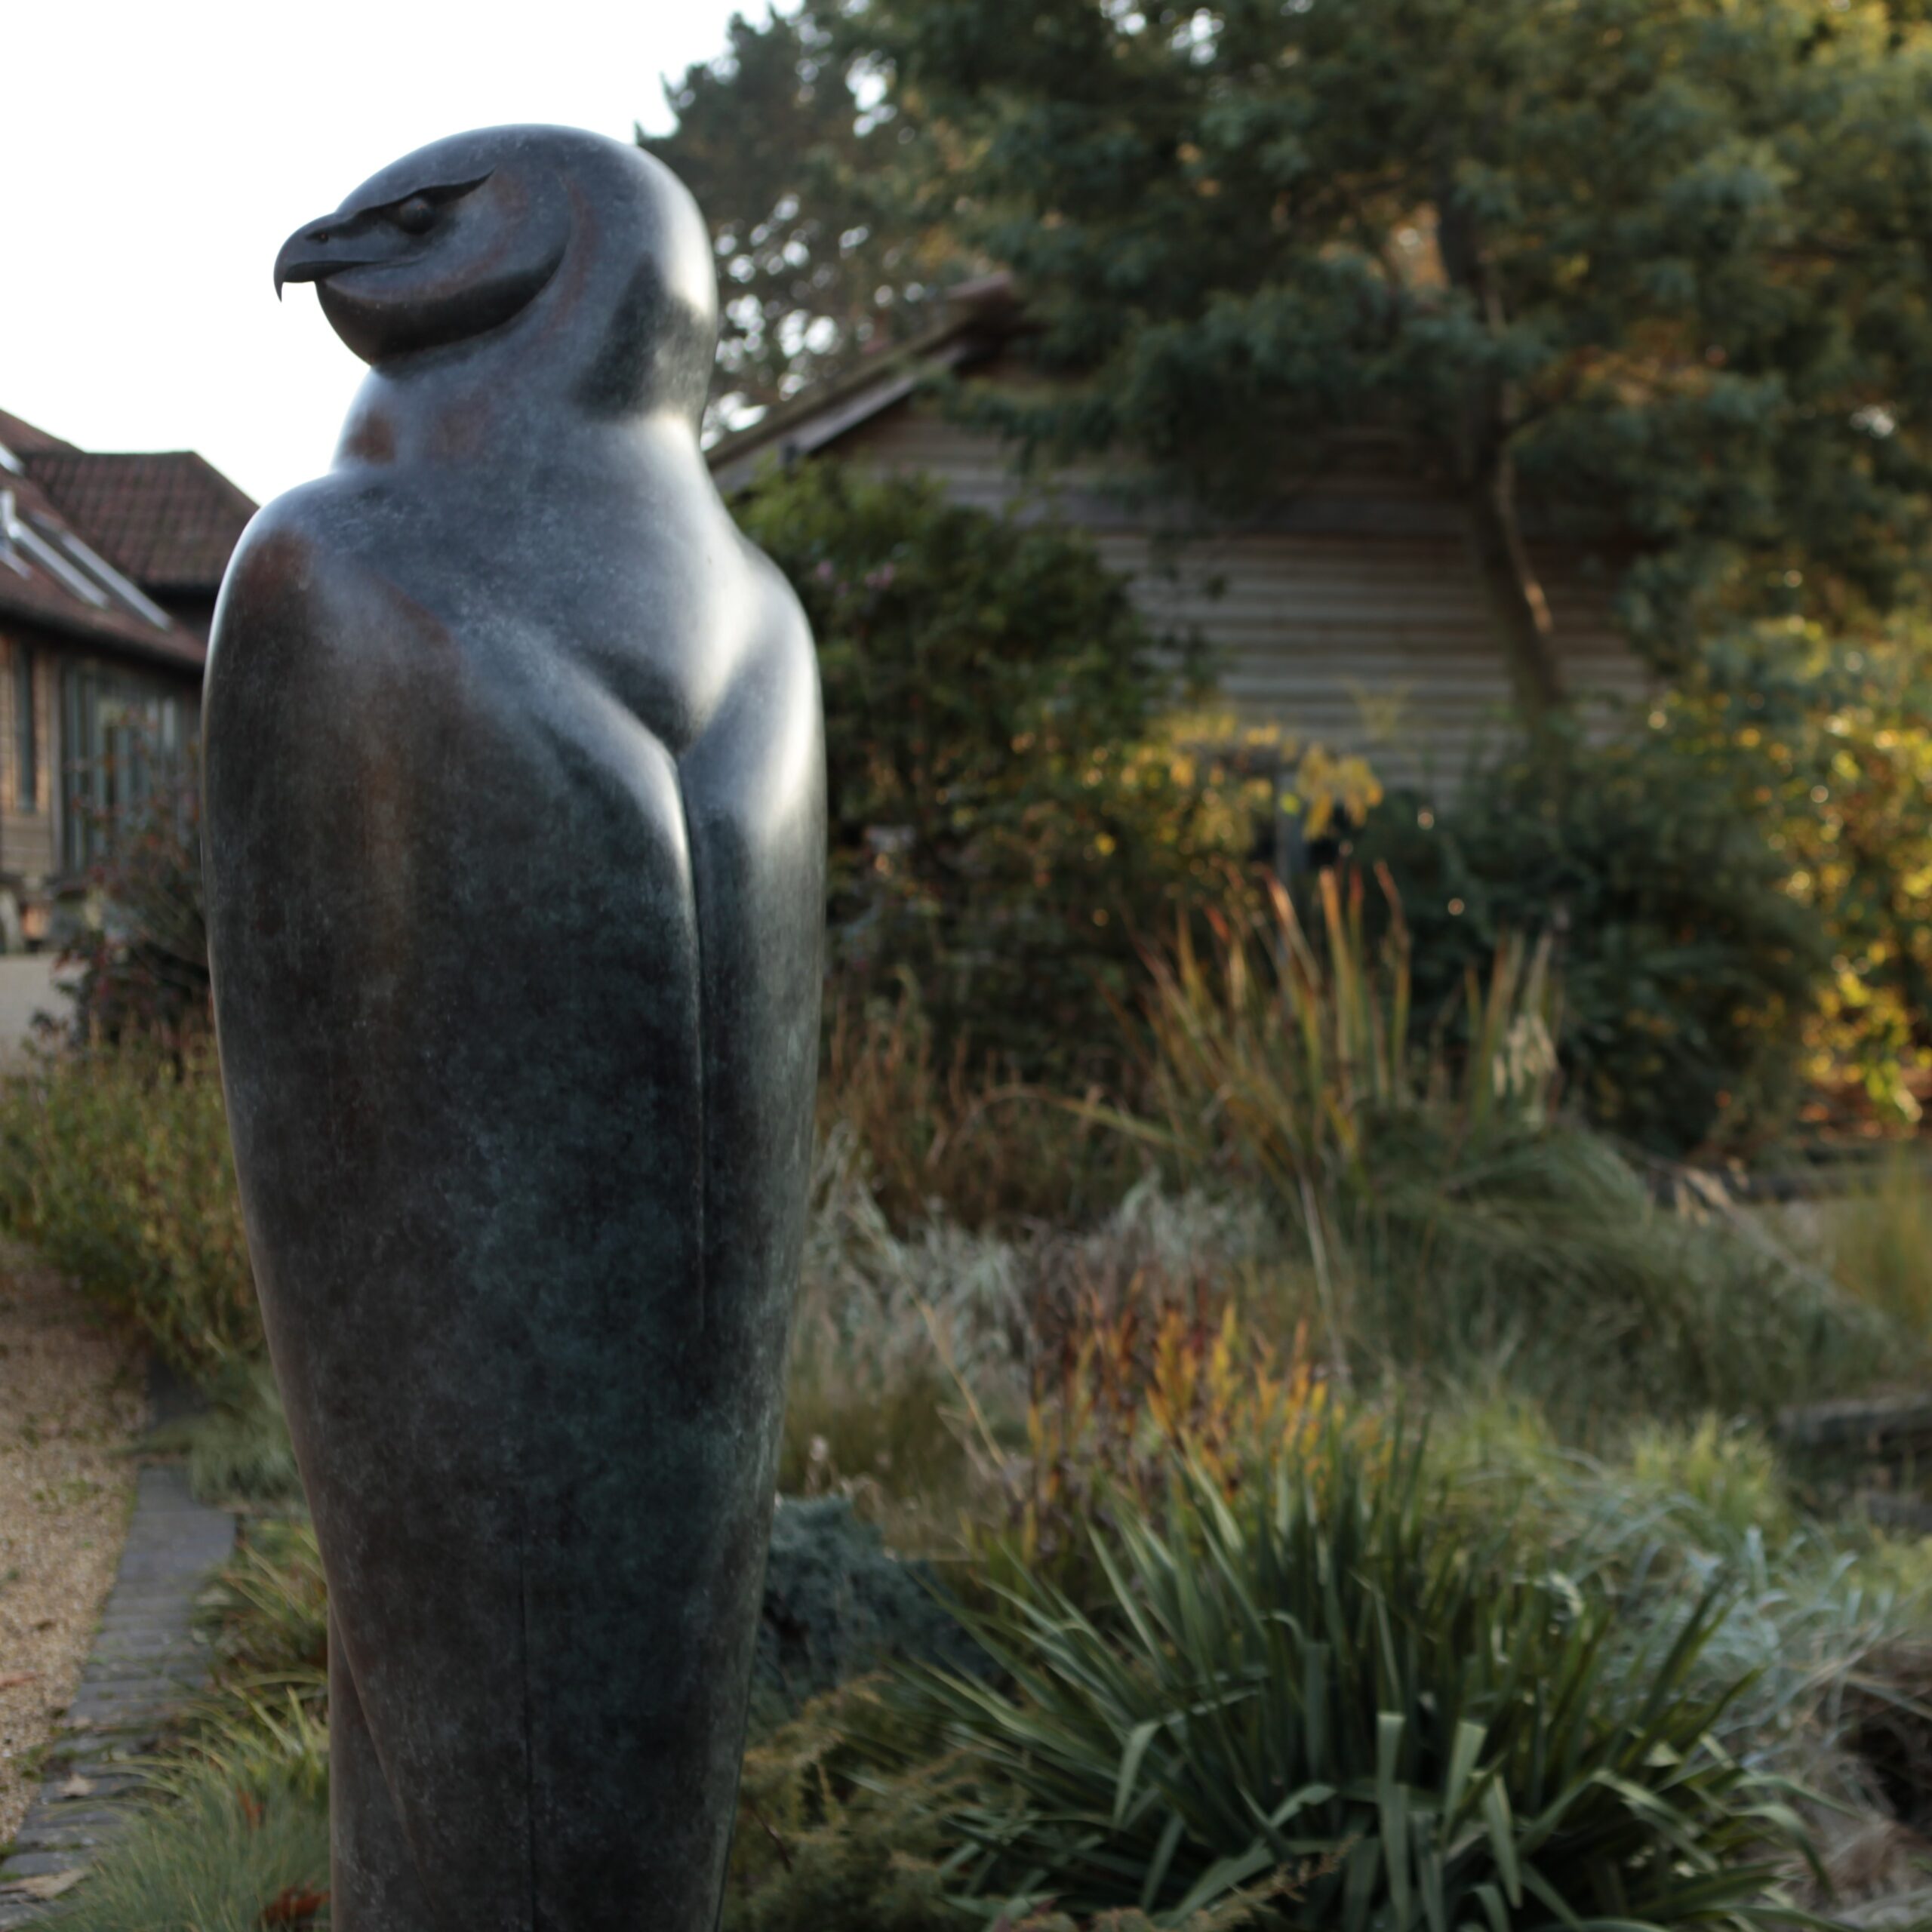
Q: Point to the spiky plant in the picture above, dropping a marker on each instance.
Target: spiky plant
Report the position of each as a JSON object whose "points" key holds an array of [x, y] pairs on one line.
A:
{"points": [[1321, 1677]]}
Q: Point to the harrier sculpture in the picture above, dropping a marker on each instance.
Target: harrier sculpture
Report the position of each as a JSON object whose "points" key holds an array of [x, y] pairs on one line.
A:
{"points": [[514, 824]]}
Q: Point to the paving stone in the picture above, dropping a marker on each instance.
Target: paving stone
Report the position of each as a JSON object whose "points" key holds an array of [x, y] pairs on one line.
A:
{"points": [[37, 1865], [87, 1811], [70, 1834], [146, 1663]]}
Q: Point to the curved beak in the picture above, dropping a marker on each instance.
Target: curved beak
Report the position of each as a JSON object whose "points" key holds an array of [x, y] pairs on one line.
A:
{"points": [[318, 249]]}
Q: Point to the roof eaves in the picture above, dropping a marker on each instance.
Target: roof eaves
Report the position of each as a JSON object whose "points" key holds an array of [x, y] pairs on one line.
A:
{"points": [[25, 439], [178, 650], [850, 399]]}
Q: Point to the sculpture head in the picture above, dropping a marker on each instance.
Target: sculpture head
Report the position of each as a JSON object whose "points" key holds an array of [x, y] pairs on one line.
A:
{"points": [[589, 249]]}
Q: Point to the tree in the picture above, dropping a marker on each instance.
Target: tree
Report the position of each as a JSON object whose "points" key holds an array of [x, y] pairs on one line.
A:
{"points": [[1007, 825], [805, 174], [1657, 266]]}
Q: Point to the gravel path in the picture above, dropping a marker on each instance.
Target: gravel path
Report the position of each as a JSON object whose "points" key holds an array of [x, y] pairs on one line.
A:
{"points": [[71, 1402]]}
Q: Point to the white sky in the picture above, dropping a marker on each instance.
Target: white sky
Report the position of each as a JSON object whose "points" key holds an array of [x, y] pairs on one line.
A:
{"points": [[153, 157]]}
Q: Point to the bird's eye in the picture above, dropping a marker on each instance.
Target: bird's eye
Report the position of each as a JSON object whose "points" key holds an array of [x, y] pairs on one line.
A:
{"points": [[415, 215]]}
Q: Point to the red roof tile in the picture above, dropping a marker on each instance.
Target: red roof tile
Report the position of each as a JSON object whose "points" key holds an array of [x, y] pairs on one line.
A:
{"points": [[24, 439], [45, 582], [169, 520]]}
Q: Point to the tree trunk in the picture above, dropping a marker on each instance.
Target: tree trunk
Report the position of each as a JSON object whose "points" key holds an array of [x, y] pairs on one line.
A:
{"points": [[1519, 612]]}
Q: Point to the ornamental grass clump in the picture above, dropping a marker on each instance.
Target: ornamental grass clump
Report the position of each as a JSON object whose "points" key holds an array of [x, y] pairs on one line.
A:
{"points": [[238, 1837], [1451, 1216], [1323, 1677], [951, 1136]]}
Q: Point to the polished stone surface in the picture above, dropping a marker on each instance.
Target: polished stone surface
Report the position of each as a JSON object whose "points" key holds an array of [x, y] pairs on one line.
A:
{"points": [[515, 833]]}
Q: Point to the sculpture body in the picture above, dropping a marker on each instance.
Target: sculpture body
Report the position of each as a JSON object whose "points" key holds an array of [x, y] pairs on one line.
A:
{"points": [[515, 823]]}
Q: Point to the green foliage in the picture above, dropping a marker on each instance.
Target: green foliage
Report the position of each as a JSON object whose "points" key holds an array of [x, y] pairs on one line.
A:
{"points": [[241, 1840], [1688, 968], [1822, 1616], [1649, 256], [265, 1617], [821, 1844], [886, 1324], [1824, 742], [1324, 1676], [236, 1443], [814, 1849], [1727, 1480], [1001, 823], [1452, 1223], [114, 1163], [876, 1421], [821, 251], [1879, 1237]]}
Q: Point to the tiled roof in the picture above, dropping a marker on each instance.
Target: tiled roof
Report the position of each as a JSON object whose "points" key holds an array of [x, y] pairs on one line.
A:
{"points": [[169, 520], [22, 438], [51, 578]]}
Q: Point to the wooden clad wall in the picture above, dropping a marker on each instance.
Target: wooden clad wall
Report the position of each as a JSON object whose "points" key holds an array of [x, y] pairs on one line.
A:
{"points": [[1355, 620], [28, 839]]}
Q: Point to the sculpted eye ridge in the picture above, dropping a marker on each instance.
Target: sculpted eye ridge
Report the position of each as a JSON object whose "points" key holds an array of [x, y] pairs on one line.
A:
{"points": [[417, 260]]}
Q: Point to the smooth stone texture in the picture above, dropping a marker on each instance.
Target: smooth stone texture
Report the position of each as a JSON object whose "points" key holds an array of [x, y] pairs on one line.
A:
{"points": [[516, 847]]}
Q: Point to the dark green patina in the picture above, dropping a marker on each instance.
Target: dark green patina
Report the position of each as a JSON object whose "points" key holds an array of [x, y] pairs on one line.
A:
{"points": [[515, 849]]}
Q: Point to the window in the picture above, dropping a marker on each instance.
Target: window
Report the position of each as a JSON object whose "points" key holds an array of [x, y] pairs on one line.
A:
{"points": [[26, 733], [123, 735]]}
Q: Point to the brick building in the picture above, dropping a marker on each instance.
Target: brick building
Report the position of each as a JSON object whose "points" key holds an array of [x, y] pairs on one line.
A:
{"points": [[109, 569]]}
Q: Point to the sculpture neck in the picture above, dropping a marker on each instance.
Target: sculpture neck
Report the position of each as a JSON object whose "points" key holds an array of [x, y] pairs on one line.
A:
{"points": [[482, 424]]}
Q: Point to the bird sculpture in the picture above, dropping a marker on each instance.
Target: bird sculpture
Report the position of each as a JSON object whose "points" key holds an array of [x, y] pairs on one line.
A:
{"points": [[515, 828]]}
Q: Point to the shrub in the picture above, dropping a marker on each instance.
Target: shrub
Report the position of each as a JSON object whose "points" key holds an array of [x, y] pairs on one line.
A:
{"points": [[1824, 742], [815, 1849], [144, 961], [889, 1329], [1324, 1676], [838, 1604], [823, 1845], [1822, 1622], [1451, 1220], [915, 1351], [114, 1163], [1688, 969], [1003, 817]]}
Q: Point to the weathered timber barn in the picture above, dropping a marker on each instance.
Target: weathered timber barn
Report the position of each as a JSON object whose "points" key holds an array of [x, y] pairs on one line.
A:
{"points": [[109, 568], [1349, 613]]}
